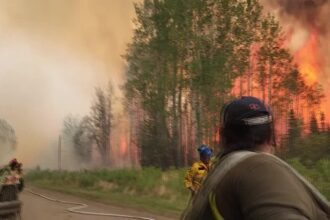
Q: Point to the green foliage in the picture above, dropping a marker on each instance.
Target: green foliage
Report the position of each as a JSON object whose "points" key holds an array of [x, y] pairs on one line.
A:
{"points": [[310, 149], [185, 59], [100, 122], [95, 128], [150, 186], [313, 124], [323, 122], [77, 134], [147, 181], [314, 148], [318, 175], [293, 137]]}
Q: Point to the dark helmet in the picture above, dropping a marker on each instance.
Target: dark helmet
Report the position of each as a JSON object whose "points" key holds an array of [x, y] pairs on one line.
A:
{"points": [[246, 111], [13, 162], [246, 124], [205, 150]]}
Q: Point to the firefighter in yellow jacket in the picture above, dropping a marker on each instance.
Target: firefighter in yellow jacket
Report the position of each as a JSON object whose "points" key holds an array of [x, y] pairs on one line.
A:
{"points": [[198, 170]]}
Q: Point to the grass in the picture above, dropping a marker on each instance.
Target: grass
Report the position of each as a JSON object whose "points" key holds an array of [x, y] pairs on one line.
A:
{"points": [[318, 174], [148, 189]]}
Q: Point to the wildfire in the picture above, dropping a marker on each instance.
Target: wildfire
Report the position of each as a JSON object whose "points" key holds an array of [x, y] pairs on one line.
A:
{"points": [[310, 66], [123, 145], [307, 59]]}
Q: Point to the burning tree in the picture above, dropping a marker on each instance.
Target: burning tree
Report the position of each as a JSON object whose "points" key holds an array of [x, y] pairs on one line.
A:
{"points": [[184, 64]]}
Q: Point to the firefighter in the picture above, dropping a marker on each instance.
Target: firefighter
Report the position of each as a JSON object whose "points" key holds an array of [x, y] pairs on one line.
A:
{"points": [[198, 170], [248, 181]]}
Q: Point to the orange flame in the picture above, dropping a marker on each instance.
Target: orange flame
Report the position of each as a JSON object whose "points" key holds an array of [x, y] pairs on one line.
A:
{"points": [[307, 59], [311, 67], [123, 145]]}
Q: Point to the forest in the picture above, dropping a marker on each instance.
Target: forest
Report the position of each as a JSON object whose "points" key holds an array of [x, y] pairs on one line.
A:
{"points": [[187, 60]]}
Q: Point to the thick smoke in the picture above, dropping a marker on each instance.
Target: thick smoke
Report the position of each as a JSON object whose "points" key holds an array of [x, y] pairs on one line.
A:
{"points": [[311, 13], [52, 55]]}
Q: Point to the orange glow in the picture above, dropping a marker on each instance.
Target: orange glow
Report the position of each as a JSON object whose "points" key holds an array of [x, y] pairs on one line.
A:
{"points": [[123, 145], [307, 59]]}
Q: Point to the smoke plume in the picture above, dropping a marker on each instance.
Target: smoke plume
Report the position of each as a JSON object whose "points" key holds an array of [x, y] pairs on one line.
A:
{"points": [[52, 55]]}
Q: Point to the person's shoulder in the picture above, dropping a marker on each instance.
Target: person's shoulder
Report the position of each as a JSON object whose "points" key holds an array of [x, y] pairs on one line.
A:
{"points": [[265, 168], [196, 164], [256, 165], [261, 159]]}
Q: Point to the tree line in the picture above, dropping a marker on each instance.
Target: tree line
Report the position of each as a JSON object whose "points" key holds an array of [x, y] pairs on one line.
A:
{"points": [[310, 147], [92, 131], [186, 60]]}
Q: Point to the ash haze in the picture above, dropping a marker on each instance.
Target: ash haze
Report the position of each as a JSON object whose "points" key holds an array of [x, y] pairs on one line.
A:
{"points": [[53, 53]]}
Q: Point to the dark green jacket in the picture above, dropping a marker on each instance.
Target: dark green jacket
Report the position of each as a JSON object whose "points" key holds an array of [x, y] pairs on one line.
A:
{"points": [[259, 188]]}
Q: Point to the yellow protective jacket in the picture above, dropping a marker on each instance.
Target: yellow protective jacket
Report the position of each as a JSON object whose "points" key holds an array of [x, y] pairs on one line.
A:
{"points": [[195, 175]]}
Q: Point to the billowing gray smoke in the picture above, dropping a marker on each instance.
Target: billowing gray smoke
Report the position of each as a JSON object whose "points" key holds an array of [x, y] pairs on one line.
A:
{"points": [[312, 13]]}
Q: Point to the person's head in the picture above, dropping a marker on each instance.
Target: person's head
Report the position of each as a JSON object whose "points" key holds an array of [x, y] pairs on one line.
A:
{"points": [[205, 153], [13, 164], [247, 124]]}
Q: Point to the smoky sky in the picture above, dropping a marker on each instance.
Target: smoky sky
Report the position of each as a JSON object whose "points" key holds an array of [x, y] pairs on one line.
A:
{"points": [[311, 13], [53, 53]]}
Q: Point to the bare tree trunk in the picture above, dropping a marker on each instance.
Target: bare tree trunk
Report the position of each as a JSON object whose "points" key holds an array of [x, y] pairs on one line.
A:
{"points": [[179, 145], [241, 86], [250, 76], [270, 83], [186, 134]]}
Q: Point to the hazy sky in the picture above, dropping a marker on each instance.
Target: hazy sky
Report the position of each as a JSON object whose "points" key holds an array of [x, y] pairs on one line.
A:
{"points": [[52, 55]]}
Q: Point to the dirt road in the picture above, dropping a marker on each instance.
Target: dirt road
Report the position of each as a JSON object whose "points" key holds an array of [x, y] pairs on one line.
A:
{"points": [[37, 208]]}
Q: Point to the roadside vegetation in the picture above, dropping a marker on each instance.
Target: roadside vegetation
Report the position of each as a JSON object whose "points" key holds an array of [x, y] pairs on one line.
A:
{"points": [[318, 174], [150, 189]]}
